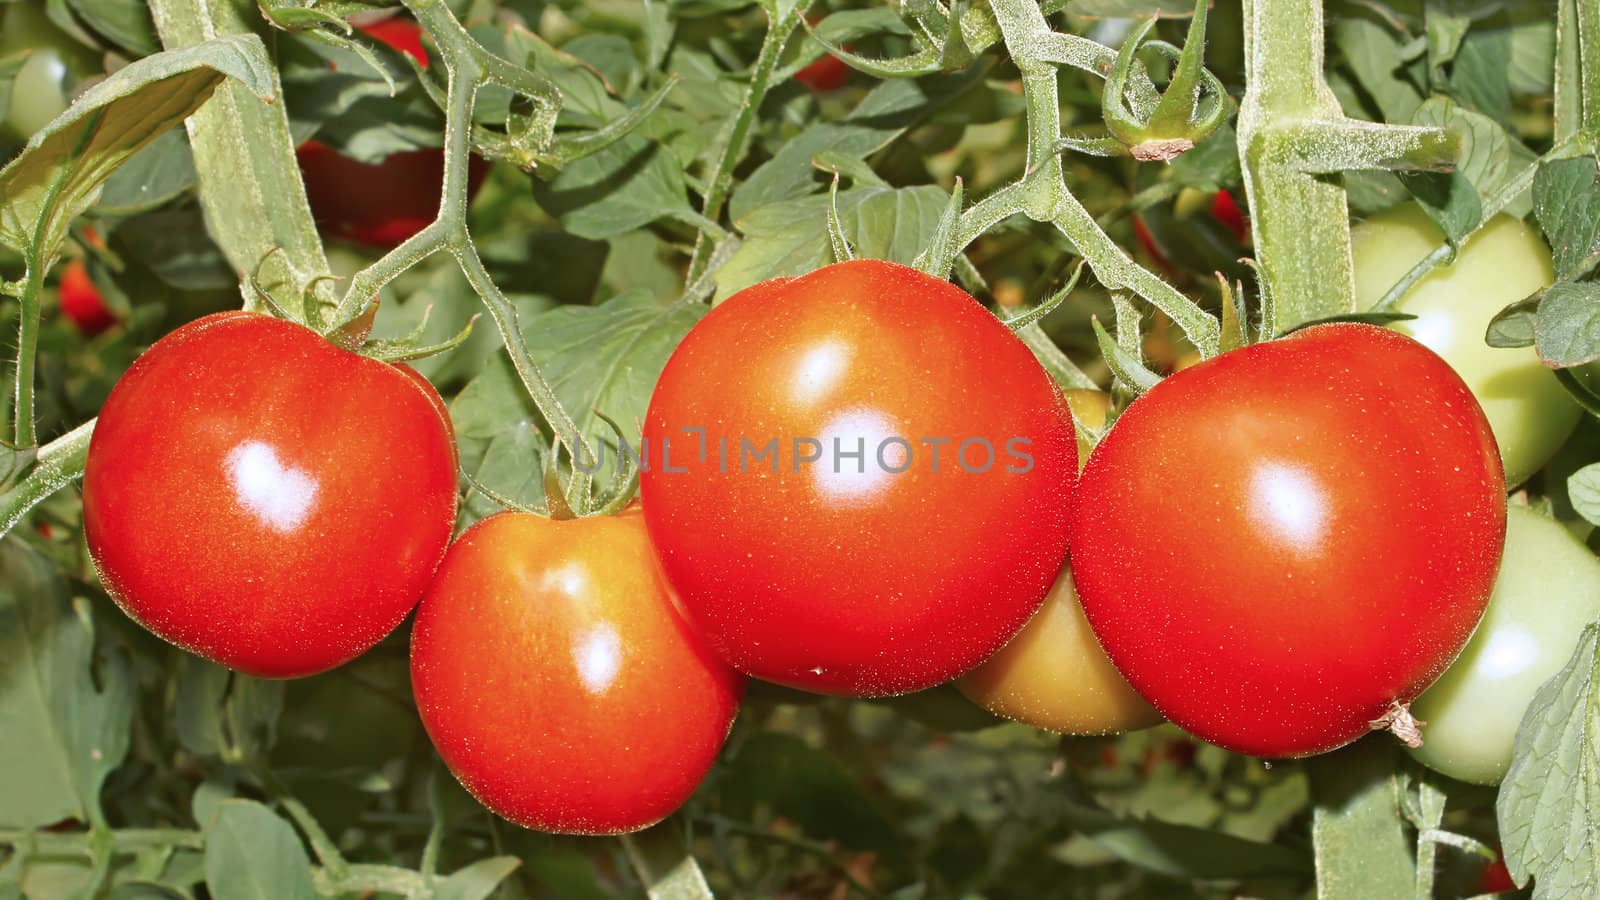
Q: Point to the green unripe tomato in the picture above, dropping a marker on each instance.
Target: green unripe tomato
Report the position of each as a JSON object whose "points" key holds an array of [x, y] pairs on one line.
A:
{"points": [[43, 87], [1547, 590], [1528, 409]]}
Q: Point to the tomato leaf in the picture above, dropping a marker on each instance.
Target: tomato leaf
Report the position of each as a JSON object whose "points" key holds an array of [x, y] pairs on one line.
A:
{"points": [[477, 881], [1583, 492], [61, 171], [1566, 201], [252, 853], [155, 175], [1550, 799], [791, 237], [226, 714], [623, 187], [663, 862], [60, 734], [1567, 331], [598, 359], [883, 115], [1361, 848], [1454, 199]]}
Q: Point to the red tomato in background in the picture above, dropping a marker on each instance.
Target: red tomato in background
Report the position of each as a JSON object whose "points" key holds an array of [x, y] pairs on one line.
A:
{"points": [[1278, 544], [828, 73], [380, 204], [560, 682], [81, 301], [266, 500], [842, 575], [1227, 213]]}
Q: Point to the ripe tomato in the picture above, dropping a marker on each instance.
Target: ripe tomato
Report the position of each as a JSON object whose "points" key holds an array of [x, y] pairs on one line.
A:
{"points": [[81, 302], [560, 682], [1279, 544], [380, 204], [864, 574], [264, 499], [1529, 410], [828, 73], [1547, 590], [1054, 675]]}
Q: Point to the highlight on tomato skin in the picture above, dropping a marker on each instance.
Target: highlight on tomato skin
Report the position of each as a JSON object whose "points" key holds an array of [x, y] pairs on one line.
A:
{"points": [[870, 577], [262, 438], [558, 680], [1343, 520]]}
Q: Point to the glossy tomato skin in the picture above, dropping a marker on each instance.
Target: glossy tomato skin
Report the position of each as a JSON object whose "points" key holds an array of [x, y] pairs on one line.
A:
{"points": [[1529, 410], [266, 500], [840, 575], [1547, 590], [560, 682], [81, 301], [1340, 520], [380, 204]]}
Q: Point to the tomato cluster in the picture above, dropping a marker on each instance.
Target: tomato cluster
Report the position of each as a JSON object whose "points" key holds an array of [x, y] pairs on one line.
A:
{"points": [[860, 482]]}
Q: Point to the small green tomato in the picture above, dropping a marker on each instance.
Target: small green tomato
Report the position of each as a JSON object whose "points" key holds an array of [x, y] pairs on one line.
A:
{"points": [[1528, 409], [1548, 588]]}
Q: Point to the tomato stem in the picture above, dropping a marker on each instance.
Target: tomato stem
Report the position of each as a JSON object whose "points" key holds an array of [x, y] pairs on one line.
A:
{"points": [[781, 25], [1292, 135]]}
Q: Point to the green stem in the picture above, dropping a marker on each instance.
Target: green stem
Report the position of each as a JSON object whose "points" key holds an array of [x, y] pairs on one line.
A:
{"points": [[27, 347], [122, 841], [779, 28], [467, 71], [59, 463], [1043, 194], [1586, 16], [1299, 220]]}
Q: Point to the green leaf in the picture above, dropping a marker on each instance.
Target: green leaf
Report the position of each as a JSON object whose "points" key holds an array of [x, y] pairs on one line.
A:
{"points": [[1141, 9], [252, 854], [623, 187], [882, 115], [1361, 848], [1183, 851], [781, 774], [1454, 199], [791, 237], [1566, 201], [477, 881], [61, 171], [158, 173], [60, 734], [226, 714], [598, 359], [1567, 331], [125, 23], [662, 860], [1583, 492], [1373, 54], [1550, 799]]}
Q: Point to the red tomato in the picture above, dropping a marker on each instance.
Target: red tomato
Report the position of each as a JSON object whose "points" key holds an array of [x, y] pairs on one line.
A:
{"points": [[1496, 878], [380, 204], [558, 679], [81, 302], [1227, 213], [400, 33], [841, 574], [826, 74], [1277, 545], [262, 498]]}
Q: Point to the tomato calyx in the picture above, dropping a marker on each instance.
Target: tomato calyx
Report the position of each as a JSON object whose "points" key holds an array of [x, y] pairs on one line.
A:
{"points": [[1398, 721], [1193, 106]]}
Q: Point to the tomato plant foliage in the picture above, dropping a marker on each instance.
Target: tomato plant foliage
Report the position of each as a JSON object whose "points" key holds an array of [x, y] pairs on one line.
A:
{"points": [[561, 231]]}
